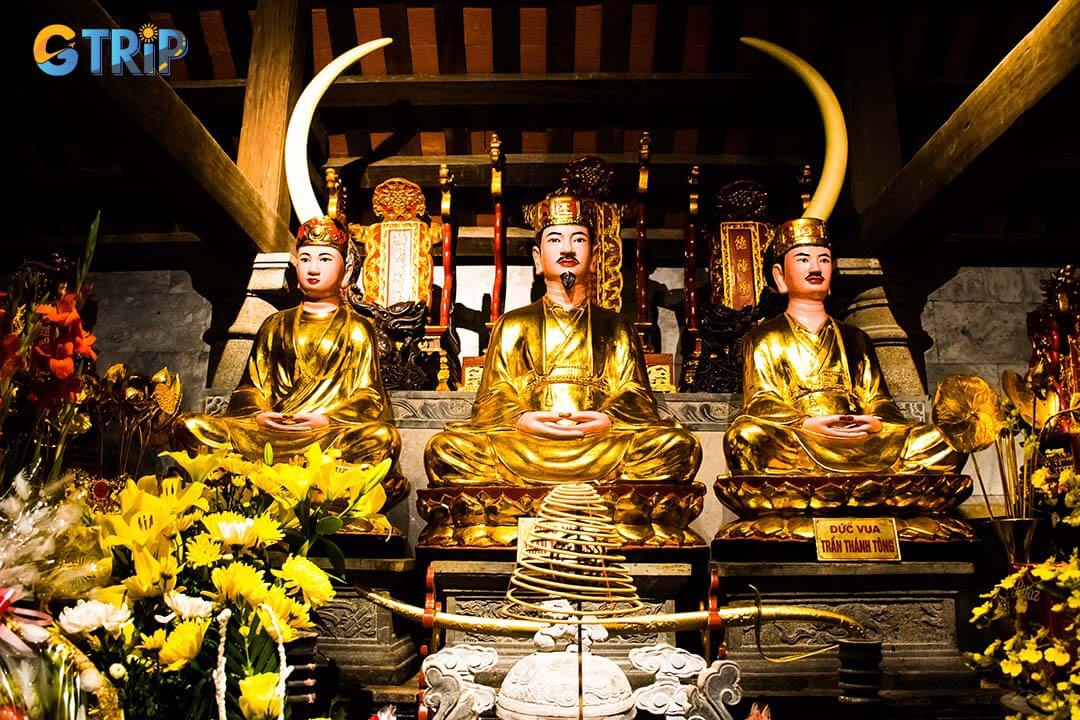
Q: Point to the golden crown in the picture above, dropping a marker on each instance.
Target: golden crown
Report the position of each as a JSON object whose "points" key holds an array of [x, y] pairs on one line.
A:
{"points": [[558, 209], [798, 232], [324, 231]]}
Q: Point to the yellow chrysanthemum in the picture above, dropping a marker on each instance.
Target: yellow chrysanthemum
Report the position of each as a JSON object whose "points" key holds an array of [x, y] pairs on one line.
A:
{"points": [[300, 574], [183, 644], [153, 642], [259, 699], [267, 531], [237, 580], [275, 626], [289, 614], [203, 551]]}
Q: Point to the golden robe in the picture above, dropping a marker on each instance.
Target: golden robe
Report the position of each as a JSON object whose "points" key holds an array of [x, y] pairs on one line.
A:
{"points": [[544, 358], [790, 374], [304, 362]]}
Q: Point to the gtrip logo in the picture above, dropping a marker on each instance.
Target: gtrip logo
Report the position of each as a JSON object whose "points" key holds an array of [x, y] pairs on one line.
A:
{"points": [[150, 51]]}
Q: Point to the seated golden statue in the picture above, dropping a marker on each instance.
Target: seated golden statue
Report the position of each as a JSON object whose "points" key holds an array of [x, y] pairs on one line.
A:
{"points": [[815, 401], [312, 376], [564, 395]]}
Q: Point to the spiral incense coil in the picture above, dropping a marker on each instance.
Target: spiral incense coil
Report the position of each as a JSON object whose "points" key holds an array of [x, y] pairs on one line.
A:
{"points": [[566, 556]]}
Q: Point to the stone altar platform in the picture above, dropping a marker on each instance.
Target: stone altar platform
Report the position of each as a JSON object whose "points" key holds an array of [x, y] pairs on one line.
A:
{"points": [[478, 587], [918, 609], [369, 644]]}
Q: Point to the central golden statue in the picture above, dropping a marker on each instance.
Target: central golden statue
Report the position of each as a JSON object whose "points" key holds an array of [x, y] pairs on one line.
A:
{"points": [[815, 401], [312, 376], [564, 395]]}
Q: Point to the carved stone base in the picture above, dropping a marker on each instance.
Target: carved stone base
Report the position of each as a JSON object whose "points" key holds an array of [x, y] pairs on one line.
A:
{"points": [[478, 588], [782, 507], [368, 643], [487, 516], [918, 610]]}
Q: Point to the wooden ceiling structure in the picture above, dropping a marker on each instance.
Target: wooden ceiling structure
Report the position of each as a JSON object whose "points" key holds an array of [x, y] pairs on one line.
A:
{"points": [[961, 117]]}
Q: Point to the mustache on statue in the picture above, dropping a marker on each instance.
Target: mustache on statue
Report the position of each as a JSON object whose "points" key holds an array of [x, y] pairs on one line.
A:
{"points": [[568, 279]]}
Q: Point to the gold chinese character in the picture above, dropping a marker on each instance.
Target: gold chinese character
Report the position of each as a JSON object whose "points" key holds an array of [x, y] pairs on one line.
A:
{"points": [[744, 288], [742, 266], [740, 243]]}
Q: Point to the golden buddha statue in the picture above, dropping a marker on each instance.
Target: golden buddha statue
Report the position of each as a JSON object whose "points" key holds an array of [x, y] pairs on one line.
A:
{"points": [[564, 395], [815, 401], [312, 376]]}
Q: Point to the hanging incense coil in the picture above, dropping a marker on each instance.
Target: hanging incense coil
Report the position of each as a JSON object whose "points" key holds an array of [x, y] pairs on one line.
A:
{"points": [[567, 556]]}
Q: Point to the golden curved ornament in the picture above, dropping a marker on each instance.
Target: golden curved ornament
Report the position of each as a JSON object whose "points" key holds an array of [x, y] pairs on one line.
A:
{"points": [[304, 199], [836, 145], [968, 412], [1035, 410], [729, 616]]}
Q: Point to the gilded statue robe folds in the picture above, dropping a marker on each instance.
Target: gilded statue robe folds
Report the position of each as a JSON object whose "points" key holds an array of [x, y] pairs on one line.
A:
{"points": [[303, 362], [790, 374], [544, 358]]}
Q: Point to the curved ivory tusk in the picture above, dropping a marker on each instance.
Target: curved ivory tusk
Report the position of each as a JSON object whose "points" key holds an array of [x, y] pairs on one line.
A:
{"points": [[832, 171], [734, 615], [305, 201]]}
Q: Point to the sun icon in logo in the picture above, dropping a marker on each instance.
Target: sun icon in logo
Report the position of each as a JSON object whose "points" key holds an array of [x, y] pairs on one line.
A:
{"points": [[148, 33]]}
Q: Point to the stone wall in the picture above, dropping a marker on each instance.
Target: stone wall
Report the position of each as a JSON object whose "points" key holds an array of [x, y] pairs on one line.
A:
{"points": [[150, 320], [977, 321], [978, 324]]}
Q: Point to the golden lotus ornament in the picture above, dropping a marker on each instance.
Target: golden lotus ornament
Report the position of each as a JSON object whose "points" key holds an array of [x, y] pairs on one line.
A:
{"points": [[968, 411]]}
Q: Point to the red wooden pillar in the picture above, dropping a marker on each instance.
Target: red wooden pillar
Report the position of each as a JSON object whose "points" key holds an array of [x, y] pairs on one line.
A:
{"points": [[446, 186], [692, 343], [499, 235], [641, 276]]}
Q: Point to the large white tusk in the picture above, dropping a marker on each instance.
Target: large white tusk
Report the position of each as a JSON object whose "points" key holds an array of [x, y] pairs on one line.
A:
{"points": [[832, 171], [304, 199]]}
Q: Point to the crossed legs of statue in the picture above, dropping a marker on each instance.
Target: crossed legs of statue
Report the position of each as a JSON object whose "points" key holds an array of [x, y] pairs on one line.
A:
{"points": [[754, 447], [652, 455]]}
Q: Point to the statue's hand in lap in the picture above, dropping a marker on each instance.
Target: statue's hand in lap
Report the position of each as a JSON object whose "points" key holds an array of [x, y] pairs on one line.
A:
{"points": [[547, 425], [590, 422], [302, 422], [843, 427]]}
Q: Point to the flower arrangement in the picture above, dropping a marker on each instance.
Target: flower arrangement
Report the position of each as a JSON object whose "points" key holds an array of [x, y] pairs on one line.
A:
{"points": [[201, 603], [43, 555], [1041, 656], [44, 353], [1035, 608]]}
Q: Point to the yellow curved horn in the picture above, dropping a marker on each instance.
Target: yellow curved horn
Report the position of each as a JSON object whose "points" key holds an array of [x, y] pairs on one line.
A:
{"points": [[832, 170], [733, 615], [305, 201]]}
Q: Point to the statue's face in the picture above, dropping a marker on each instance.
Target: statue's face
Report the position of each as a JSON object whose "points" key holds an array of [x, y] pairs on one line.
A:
{"points": [[806, 272], [320, 270], [563, 248]]}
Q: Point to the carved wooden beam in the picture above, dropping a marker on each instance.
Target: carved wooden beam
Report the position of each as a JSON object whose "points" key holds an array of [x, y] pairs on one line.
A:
{"points": [[1001, 130], [158, 137]]}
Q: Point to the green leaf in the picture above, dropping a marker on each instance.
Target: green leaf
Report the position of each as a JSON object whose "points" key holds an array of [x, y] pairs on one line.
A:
{"points": [[328, 525], [336, 557]]}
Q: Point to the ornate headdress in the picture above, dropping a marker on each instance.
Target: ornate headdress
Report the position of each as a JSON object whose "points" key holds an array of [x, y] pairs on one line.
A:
{"points": [[797, 232], [559, 209], [323, 230]]}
